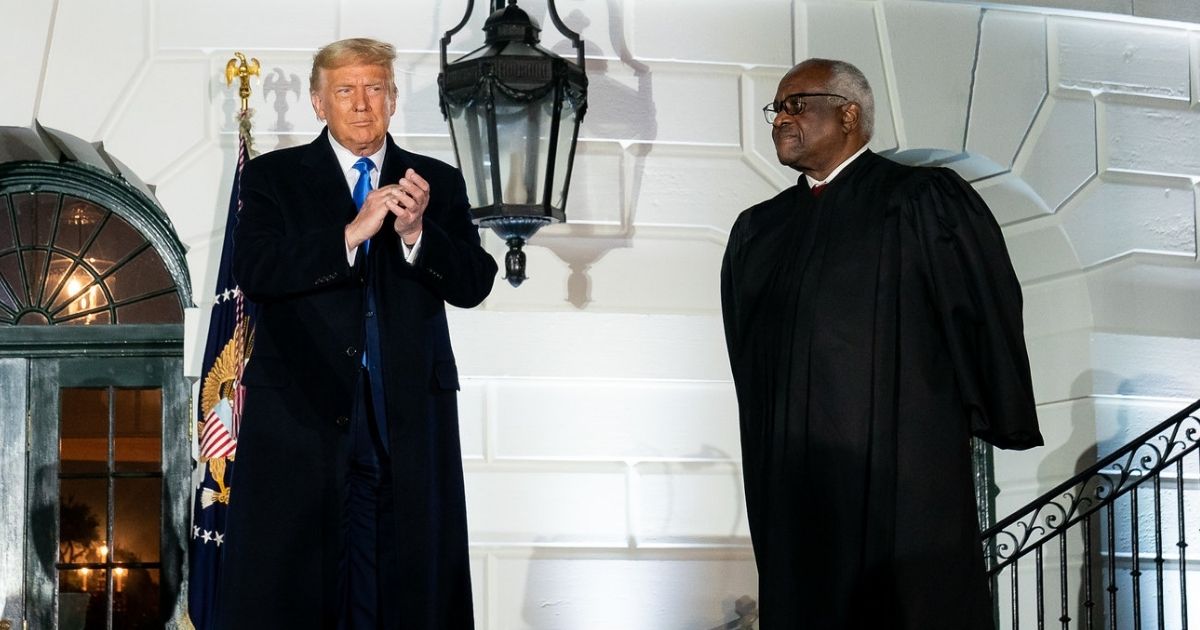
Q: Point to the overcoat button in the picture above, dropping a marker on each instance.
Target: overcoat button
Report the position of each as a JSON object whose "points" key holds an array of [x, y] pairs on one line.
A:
{"points": [[342, 421], [351, 351]]}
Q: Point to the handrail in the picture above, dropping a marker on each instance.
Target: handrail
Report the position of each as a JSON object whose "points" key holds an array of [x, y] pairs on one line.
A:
{"points": [[1099, 485]]}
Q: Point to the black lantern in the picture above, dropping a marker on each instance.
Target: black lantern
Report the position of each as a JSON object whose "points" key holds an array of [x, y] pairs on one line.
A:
{"points": [[514, 110]]}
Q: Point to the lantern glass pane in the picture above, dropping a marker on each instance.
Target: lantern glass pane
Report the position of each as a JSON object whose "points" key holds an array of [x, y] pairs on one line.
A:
{"points": [[523, 130], [562, 154], [469, 126]]}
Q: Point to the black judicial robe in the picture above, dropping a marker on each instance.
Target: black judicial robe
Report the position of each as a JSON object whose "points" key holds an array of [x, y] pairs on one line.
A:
{"points": [[283, 542], [871, 331]]}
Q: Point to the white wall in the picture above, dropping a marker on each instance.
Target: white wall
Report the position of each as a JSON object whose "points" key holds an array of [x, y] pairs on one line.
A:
{"points": [[599, 423]]}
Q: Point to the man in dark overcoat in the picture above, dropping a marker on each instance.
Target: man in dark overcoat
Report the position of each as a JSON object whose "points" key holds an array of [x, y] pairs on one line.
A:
{"points": [[873, 322], [347, 509]]}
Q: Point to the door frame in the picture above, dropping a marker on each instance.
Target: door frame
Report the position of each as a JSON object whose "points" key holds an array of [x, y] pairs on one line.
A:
{"points": [[31, 356]]}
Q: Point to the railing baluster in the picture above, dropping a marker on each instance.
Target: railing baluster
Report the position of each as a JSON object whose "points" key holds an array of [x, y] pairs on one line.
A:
{"points": [[1158, 552], [1135, 572], [1112, 567], [1016, 596], [1089, 603], [1182, 544], [1039, 560], [1065, 617]]}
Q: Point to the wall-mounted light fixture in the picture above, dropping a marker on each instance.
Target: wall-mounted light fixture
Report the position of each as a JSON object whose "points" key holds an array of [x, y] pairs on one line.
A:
{"points": [[514, 110]]}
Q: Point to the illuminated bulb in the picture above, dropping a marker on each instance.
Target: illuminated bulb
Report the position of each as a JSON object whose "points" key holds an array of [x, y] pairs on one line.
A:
{"points": [[103, 552]]}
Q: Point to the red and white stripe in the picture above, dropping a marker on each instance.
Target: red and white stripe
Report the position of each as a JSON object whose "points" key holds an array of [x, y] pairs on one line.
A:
{"points": [[216, 441]]}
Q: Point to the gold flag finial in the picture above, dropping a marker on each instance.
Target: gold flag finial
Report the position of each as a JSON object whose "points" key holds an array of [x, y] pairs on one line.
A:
{"points": [[238, 67]]}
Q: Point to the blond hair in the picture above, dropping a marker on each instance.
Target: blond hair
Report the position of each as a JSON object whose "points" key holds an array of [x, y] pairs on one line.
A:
{"points": [[357, 50]]}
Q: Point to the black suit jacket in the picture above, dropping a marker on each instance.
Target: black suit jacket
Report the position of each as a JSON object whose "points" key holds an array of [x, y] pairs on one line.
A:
{"points": [[283, 545]]}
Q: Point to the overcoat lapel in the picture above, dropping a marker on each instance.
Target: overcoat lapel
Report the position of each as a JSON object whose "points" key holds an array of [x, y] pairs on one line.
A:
{"points": [[326, 184]]}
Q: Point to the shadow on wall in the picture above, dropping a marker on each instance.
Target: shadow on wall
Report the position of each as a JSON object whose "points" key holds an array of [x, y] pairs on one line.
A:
{"points": [[615, 111]]}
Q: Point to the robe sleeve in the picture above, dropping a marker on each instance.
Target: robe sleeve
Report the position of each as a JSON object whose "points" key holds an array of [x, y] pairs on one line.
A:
{"points": [[978, 300], [729, 310]]}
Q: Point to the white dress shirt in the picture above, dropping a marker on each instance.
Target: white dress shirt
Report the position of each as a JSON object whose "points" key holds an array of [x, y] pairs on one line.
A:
{"points": [[346, 160], [812, 183]]}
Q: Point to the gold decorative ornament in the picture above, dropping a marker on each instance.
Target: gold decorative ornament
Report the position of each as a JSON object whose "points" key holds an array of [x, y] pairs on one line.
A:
{"points": [[240, 68]]}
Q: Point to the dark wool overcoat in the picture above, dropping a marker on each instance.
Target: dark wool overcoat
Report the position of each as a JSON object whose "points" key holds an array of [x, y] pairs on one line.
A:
{"points": [[283, 543]]}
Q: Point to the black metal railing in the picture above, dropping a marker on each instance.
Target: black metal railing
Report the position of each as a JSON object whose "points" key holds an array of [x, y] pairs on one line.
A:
{"points": [[1099, 533]]}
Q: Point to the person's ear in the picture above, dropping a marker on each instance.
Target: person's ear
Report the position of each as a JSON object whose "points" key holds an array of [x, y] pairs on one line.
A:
{"points": [[850, 113], [316, 103]]}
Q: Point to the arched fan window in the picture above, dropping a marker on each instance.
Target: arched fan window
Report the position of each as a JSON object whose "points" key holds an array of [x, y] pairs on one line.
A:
{"points": [[67, 260]]}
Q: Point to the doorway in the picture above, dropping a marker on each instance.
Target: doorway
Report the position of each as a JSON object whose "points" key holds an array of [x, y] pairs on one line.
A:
{"points": [[94, 408]]}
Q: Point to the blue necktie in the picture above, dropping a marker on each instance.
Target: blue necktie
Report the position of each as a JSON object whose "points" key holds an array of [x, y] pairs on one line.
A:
{"points": [[362, 187]]}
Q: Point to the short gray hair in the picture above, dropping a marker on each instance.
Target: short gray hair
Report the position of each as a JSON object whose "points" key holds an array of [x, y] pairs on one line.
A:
{"points": [[846, 79]]}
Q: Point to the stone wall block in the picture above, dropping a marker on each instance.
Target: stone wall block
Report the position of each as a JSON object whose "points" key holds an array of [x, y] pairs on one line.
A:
{"points": [[249, 27], [933, 83], [1011, 199], [1010, 84], [557, 589], [24, 40], [1060, 155], [690, 503], [615, 420], [169, 104], [757, 33], [1148, 137], [82, 91], [583, 507], [1096, 55], [1112, 219]]}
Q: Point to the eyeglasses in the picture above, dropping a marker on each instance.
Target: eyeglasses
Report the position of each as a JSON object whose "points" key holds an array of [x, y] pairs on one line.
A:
{"points": [[792, 105]]}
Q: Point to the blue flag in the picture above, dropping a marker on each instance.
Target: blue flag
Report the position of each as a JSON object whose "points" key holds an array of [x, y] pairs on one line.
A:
{"points": [[230, 340]]}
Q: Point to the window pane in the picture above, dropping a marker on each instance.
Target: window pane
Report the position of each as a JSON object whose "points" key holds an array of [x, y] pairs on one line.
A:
{"points": [[76, 224], [7, 298], [90, 306], [164, 309], [6, 234], [81, 280], [115, 241], [97, 317], [82, 520], [81, 598], [138, 431], [144, 274], [35, 217], [56, 282], [136, 519], [83, 432], [10, 271], [35, 271], [135, 602]]}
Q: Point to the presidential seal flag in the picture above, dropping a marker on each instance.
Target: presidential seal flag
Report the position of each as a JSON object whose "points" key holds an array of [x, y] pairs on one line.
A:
{"points": [[219, 415]]}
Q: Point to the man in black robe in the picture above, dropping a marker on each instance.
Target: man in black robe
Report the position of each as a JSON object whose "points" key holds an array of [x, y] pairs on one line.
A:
{"points": [[873, 322]]}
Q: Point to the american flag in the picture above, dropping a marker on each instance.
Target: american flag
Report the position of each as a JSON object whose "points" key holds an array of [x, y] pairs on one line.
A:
{"points": [[230, 340]]}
